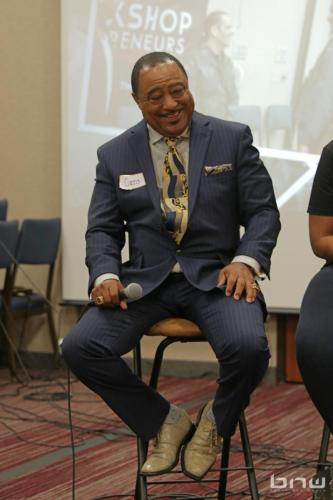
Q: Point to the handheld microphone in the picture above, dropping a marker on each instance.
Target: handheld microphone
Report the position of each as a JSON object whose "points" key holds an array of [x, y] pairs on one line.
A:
{"points": [[133, 291]]}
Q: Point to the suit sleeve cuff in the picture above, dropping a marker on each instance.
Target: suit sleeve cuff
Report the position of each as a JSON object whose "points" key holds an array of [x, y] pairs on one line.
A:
{"points": [[106, 276], [253, 263]]}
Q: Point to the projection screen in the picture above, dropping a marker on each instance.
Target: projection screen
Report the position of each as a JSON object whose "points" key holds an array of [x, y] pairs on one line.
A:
{"points": [[275, 53]]}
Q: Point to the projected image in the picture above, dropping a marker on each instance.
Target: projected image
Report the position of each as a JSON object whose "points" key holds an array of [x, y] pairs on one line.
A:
{"points": [[214, 73], [315, 105], [122, 31], [239, 68], [264, 63]]}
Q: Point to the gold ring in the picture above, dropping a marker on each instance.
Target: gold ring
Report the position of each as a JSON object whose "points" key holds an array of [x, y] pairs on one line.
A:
{"points": [[99, 300], [255, 286]]}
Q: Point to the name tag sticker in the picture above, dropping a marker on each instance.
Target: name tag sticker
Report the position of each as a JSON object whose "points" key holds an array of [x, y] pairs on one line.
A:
{"points": [[131, 181]]}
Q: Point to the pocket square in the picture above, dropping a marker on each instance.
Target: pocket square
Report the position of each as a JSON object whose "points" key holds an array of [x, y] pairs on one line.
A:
{"points": [[218, 169], [132, 181]]}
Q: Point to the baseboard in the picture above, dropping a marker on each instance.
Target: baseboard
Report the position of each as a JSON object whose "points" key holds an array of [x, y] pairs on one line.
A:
{"points": [[171, 367], [183, 368], [39, 360]]}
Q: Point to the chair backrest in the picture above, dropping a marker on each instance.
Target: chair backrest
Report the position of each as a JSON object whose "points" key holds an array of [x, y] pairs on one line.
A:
{"points": [[3, 209], [8, 242], [38, 241]]}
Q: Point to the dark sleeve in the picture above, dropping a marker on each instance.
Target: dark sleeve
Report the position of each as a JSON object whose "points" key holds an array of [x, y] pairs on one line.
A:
{"points": [[321, 199], [257, 208], [105, 235]]}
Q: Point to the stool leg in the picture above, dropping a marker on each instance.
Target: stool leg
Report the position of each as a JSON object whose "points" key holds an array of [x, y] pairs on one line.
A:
{"points": [[8, 329], [141, 483], [137, 369], [224, 469], [248, 458], [323, 447], [53, 335], [158, 358], [142, 446]]}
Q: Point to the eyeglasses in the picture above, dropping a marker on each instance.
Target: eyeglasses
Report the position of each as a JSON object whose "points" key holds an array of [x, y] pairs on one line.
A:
{"points": [[156, 97]]}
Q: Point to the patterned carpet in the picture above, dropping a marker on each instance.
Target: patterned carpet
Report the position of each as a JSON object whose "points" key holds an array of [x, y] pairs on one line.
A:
{"points": [[36, 455]]}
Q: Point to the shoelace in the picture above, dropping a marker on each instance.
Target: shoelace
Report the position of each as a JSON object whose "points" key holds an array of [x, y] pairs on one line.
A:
{"points": [[156, 440], [214, 438]]}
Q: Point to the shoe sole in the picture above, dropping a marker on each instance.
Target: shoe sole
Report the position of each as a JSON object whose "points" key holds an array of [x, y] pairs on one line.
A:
{"points": [[186, 439]]}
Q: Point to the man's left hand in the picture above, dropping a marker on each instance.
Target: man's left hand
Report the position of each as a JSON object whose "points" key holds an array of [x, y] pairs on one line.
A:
{"points": [[238, 278]]}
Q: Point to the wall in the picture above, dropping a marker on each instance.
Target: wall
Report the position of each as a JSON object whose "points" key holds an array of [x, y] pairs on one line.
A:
{"points": [[30, 118]]}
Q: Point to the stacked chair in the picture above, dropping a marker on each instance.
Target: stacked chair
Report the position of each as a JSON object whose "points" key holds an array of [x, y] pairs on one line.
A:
{"points": [[35, 244], [3, 209], [8, 244]]}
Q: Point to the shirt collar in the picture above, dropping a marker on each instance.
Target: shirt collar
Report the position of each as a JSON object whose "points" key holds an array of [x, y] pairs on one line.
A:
{"points": [[155, 136]]}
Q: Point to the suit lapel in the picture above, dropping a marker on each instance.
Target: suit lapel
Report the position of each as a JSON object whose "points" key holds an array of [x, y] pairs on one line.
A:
{"points": [[199, 141], [140, 146]]}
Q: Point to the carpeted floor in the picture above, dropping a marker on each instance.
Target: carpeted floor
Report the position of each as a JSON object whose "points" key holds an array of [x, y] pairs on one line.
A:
{"points": [[36, 455]]}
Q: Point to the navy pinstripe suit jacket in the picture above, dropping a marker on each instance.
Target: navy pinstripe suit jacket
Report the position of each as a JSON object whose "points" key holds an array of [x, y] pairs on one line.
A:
{"points": [[239, 195]]}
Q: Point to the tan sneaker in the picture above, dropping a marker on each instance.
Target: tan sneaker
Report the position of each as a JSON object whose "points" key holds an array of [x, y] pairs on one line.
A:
{"points": [[200, 453], [170, 438]]}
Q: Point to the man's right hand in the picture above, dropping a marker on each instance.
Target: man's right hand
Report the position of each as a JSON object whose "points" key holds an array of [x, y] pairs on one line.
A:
{"points": [[107, 294]]}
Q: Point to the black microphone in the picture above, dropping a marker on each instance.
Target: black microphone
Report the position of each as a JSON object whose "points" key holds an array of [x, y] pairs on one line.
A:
{"points": [[133, 291]]}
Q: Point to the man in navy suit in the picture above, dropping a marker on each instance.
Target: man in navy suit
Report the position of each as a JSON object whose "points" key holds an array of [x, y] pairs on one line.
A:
{"points": [[181, 184]]}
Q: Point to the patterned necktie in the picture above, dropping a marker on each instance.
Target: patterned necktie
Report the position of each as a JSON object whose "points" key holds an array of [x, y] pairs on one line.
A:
{"points": [[175, 191]]}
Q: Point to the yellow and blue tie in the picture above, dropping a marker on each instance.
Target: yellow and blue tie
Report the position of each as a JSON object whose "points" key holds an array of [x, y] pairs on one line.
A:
{"points": [[175, 191]]}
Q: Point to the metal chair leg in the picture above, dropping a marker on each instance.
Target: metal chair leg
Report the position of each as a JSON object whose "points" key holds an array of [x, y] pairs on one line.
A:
{"points": [[137, 368], [8, 325], [156, 368], [248, 458], [323, 447], [224, 469], [142, 446], [141, 482], [53, 334]]}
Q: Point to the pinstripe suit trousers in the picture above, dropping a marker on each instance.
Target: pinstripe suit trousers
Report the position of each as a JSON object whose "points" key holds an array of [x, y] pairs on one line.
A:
{"points": [[234, 329]]}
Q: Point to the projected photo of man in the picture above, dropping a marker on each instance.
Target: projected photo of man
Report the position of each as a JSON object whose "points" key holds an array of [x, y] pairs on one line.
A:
{"points": [[213, 73], [315, 110]]}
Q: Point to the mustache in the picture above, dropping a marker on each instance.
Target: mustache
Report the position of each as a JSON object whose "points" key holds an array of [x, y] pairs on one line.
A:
{"points": [[168, 113]]}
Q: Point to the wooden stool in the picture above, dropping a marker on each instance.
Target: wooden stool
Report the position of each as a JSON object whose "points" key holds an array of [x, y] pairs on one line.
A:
{"points": [[182, 330]]}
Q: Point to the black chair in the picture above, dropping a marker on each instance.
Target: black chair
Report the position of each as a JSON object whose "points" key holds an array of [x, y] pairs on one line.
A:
{"points": [[37, 245], [8, 243], [181, 330], [3, 209]]}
